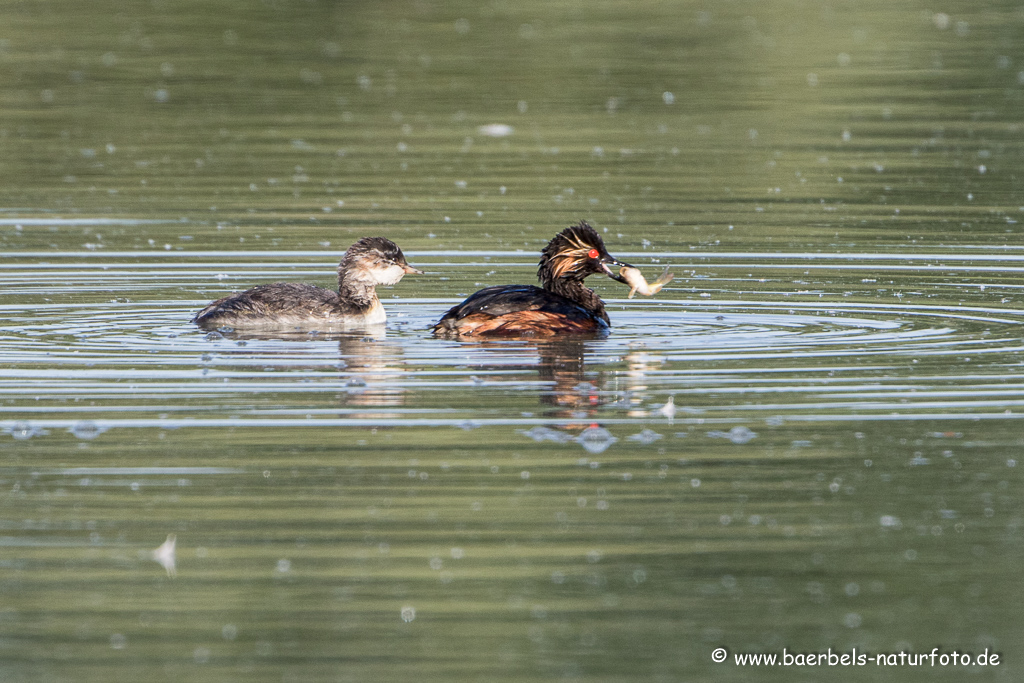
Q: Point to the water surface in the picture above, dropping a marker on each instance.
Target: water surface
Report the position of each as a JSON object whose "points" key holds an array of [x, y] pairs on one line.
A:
{"points": [[808, 440]]}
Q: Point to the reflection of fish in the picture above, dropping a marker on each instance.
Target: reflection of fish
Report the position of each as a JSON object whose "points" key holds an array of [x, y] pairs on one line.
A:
{"points": [[165, 555], [636, 280]]}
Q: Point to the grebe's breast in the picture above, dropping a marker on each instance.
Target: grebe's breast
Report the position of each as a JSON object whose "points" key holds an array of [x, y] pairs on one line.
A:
{"points": [[372, 316]]}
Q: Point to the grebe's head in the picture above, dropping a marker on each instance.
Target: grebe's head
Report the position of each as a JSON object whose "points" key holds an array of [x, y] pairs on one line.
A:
{"points": [[577, 252], [375, 261]]}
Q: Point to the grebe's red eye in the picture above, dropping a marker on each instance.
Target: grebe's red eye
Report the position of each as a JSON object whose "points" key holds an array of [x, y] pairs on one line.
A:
{"points": [[593, 253]]}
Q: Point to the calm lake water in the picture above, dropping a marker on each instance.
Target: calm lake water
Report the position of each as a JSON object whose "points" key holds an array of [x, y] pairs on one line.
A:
{"points": [[810, 440]]}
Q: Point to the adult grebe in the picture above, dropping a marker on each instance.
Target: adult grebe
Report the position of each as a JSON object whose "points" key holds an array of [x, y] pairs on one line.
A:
{"points": [[369, 262], [561, 305]]}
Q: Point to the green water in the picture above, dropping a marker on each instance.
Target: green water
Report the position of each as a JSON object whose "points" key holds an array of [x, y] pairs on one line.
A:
{"points": [[809, 440]]}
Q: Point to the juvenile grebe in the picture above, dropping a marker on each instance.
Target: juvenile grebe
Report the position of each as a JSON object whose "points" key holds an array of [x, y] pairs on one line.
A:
{"points": [[369, 262], [561, 305]]}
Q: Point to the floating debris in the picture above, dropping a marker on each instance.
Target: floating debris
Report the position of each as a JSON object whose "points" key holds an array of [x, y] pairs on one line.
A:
{"points": [[646, 437], [165, 555], [496, 130], [890, 522], [738, 435], [669, 409]]}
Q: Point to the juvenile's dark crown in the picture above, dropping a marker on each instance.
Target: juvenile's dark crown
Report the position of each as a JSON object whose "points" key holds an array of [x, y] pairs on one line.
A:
{"points": [[379, 247]]}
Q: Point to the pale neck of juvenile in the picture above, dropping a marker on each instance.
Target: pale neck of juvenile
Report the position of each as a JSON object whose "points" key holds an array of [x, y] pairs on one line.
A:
{"points": [[356, 287]]}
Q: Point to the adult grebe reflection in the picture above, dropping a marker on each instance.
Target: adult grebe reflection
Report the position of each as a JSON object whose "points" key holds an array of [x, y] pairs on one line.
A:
{"points": [[569, 390], [575, 396], [563, 364]]}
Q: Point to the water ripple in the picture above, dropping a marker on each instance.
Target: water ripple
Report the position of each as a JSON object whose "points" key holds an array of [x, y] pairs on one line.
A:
{"points": [[718, 346]]}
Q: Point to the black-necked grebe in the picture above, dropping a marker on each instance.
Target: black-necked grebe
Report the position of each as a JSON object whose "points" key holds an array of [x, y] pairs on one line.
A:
{"points": [[369, 262], [562, 305]]}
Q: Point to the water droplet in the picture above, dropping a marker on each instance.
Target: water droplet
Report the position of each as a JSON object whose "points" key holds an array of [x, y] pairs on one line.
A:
{"points": [[646, 437], [86, 429], [22, 430], [545, 434], [595, 439], [737, 435]]}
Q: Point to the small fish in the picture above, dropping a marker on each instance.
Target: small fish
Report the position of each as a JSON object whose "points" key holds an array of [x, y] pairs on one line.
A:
{"points": [[638, 283]]}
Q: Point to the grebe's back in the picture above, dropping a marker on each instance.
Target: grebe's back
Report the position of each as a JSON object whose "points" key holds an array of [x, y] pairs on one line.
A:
{"points": [[369, 262]]}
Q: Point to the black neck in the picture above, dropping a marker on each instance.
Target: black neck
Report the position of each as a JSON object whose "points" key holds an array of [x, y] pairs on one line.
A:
{"points": [[574, 289]]}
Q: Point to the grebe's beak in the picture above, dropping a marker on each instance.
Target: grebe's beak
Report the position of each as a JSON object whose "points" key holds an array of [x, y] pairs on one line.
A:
{"points": [[409, 270], [609, 262]]}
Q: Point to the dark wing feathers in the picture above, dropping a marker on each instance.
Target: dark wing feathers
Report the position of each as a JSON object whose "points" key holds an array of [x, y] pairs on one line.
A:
{"points": [[507, 308], [505, 299], [266, 300]]}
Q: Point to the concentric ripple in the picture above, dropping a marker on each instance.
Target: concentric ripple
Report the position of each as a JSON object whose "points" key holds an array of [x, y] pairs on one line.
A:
{"points": [[719, 345]]}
